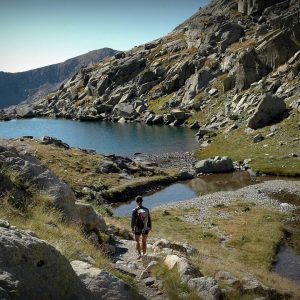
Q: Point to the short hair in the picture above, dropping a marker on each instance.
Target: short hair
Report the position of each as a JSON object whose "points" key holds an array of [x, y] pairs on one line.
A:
{"points": [[139, 199]]}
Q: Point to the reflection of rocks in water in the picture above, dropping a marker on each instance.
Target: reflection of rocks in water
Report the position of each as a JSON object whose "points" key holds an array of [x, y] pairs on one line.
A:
{"points": [[222, 182]]}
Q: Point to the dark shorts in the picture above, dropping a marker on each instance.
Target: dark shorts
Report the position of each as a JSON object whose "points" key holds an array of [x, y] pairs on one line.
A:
{"points": [[145, 232]]}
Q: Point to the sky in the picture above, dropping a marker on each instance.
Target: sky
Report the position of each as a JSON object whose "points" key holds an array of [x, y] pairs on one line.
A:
{"points": [[36, 33]]}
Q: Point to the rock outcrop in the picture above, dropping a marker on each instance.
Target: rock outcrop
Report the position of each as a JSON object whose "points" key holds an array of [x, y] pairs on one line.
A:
{"points": [[32, 173], [252, 7], [102, 284], [32, 269]]}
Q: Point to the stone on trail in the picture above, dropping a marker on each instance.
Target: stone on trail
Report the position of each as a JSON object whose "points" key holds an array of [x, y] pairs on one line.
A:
{"points": [[206, 287], [102, 284]]}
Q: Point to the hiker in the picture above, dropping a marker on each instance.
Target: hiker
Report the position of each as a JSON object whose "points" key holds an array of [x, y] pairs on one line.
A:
{"points": [[141, 225]]}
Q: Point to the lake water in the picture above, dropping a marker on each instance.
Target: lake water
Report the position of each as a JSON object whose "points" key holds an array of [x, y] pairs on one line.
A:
{"points": [[105, 137]]}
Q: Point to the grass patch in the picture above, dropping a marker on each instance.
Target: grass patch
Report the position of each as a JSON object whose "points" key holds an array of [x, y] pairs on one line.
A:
{"points": [[49, 225], [158, 106], [271, 156], [253, 233], [174, 287]]}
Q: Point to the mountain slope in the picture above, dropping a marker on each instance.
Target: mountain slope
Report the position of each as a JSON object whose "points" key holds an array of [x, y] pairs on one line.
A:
{"points": [[32, 84], [231, 70]]}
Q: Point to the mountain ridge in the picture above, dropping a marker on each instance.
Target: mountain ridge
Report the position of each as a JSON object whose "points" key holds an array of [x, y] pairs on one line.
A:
{"points": [[35, 83]]}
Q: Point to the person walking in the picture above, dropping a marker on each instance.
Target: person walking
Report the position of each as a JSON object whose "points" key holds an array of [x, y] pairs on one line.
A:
{"points": [[141, 225]]}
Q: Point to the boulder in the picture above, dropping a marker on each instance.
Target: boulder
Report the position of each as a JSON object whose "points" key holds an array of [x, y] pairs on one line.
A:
{"points": [[102, 85], [34, 173], [89, 218], [108, 166], [171, 260], [228, 34], [258, 138], [179, 115], [296, 105], [32, 269], [125, 110], [270, 109], [158, 119], [206, 287], [214, 165], [186, 270], [102, 284], [194, 125], [184, 248]]}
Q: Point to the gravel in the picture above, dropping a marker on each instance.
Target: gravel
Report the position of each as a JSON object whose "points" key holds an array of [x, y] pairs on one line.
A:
{"points": [[170, 160], [258, 194]]}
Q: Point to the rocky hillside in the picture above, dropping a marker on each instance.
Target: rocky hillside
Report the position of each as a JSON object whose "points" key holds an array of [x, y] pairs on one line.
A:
{"points": [[34, 84], [58, 241], [230, 71]]}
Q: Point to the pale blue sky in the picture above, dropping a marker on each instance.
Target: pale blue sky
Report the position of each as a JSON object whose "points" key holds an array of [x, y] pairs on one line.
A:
{"points": [[36, 33]]}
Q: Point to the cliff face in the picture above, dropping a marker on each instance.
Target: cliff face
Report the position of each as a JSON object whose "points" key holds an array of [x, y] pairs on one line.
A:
{"points": [[33, 84], [256, 6]]}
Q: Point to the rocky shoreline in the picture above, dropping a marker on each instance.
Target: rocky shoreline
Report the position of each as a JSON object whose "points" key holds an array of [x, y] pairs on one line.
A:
{"points": [[259, 194]]}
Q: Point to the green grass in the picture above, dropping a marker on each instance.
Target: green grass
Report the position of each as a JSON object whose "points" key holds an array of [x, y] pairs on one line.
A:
{"points": [[158, 105], [253, 233], [173, 286], [268, 156]]}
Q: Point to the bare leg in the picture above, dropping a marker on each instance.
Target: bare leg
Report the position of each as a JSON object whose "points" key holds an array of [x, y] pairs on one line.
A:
{"points": [[144, 243], [138, 245]]}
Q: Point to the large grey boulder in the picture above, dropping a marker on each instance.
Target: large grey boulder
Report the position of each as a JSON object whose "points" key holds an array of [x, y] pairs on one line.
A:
{"points": [[102, 284], [270, 109], [124, 110], [35, 174], [88, 217], [206, 287], [296, 105], [228, 34], [214, 165], [32, 269]]}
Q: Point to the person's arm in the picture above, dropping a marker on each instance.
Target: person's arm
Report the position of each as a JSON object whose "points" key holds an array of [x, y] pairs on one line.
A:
{"points": [[149, 221], [133, 218]]}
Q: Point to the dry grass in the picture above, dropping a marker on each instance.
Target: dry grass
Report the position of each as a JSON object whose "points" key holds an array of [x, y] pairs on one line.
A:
{"points": [[49, 225], [271, 156], [253, 233], [72, 165], [240, 46]]}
